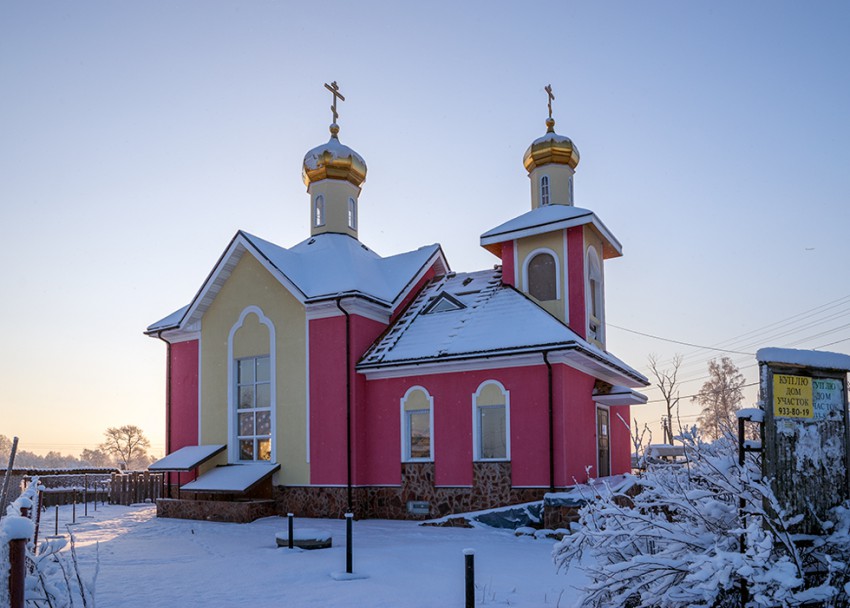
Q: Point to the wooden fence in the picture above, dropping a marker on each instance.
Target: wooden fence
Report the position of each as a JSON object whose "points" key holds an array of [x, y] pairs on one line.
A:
{"points": [[135, 487]]}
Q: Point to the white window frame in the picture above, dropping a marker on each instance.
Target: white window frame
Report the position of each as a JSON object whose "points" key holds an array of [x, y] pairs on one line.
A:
{"points": [[319, 211], [254, 410], [476, 425], [232, 396], [531, 256], [405, 425], [593, 274], [570, 189], [352, 213], [545, 193]]}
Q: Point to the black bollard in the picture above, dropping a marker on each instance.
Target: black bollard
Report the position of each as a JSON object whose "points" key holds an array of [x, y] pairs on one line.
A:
{"points": [[56, 529], [291, 517], [85, 495], [74, 508], [348, 554], [469, 564]]}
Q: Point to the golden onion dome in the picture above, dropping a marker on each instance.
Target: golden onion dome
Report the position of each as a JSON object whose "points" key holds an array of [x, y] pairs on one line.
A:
{"points": [[333, 160], [549, 149]]}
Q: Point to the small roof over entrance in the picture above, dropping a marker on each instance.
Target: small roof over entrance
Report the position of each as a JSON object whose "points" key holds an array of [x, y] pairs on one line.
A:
{"points": [[231, 478], [187, 458]]}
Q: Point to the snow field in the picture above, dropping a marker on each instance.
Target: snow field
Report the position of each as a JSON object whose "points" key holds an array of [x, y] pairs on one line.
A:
{"points": [[146, 561]]}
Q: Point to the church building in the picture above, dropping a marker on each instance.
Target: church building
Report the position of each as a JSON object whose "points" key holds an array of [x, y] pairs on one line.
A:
{"points": [[325, 378]]}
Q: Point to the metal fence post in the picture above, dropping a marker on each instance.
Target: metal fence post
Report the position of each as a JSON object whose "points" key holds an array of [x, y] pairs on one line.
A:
{"points": [[469, 571], [349, 558]]}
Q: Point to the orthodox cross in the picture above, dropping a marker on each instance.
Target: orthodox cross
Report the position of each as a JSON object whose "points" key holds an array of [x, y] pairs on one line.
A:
{"points": [[334, 89], [548, 88]]}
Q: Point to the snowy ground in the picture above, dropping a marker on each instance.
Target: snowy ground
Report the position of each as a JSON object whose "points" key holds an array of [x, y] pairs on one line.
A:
{"points": [[145, 561]]}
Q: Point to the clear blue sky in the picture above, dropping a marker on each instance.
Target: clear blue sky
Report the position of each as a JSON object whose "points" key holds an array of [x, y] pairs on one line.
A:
{"points": [[136, 138]]}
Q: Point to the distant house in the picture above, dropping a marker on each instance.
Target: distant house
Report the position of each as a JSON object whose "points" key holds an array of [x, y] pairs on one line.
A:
{"points": [[392, 386]]}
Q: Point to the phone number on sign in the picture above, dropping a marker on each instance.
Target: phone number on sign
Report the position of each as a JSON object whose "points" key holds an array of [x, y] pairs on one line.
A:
{"points": [[796, 412]]}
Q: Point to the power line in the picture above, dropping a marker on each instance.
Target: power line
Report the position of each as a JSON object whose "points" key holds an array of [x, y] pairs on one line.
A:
{"points": [[692, 396], [640, 333]]}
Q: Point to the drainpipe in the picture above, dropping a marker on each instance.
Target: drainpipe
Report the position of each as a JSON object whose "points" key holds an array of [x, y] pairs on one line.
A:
{"points": [[347, 400], [551, 423], [167, 401]]}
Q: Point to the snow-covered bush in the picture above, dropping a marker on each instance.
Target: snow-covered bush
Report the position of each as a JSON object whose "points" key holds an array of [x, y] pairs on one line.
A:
{"points": [[53, 577], [677, 541]]}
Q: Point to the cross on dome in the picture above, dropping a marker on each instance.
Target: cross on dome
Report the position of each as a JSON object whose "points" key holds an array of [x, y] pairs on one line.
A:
{"points": [[334, 89], [548, 88]]}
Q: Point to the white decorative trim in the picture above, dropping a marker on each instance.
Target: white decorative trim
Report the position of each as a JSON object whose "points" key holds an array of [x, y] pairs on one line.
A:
{"points": [[233, 447], [566, 278], [591, 255], [200, 389], [527, 261], [405, 436], [625, 397], [448, 367], [590, 218], [354, 305], [476, 441]]}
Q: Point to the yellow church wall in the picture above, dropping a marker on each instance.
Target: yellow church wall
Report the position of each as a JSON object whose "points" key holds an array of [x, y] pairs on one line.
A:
{"points": [[252, 285], [554, 242], [559, 184], [336, 193]]}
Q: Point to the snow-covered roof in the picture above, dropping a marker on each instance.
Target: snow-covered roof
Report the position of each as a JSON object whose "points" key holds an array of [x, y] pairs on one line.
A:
{"points": [[186, 458], [322, 267], [235, 478], [495, 320], [805, 358], [548, 218]]}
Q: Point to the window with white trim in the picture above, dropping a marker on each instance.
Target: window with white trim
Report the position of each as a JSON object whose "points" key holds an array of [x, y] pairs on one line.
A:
{"points": [[595, 303], [542, 277], [491, 422], [544, 190], [417, 420], [253, 408], [570, 190], [352, 214], [319, 211]]}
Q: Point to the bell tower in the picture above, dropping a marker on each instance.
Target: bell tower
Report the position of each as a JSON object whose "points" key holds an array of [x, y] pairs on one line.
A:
{"points": [[334, 174]]}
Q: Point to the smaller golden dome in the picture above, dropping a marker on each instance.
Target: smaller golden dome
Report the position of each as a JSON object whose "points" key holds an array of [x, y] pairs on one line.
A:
{"points": [[550, 149], [333, 160]]}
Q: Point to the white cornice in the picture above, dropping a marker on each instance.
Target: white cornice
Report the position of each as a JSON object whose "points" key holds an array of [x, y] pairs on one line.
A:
{"points": [[353, 305], [558, 225]]}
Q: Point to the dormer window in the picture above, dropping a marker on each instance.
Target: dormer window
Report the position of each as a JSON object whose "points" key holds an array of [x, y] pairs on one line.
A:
{"points": [[542, 277], [319, 211], [352, 214], [544, 190], [595, 304]]}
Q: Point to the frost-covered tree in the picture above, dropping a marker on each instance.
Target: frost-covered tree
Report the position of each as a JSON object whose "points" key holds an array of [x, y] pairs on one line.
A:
{"points": [[96, 458], [128, 445], [720, 397], [676, 542]]}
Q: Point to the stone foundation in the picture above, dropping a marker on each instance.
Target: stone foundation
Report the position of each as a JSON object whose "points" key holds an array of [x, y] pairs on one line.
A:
{"points": [[237, 511], [491, 488]]}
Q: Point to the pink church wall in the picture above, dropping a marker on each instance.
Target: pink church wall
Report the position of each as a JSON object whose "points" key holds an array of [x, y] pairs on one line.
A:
{"points": [[328, 442], [621, 441], [508, 268], [452, 436], [575, 426], [183, 395], [575, 255]]}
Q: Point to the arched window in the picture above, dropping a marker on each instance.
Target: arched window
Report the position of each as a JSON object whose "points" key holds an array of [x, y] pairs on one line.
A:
{"points": [[352, 214], [595, 303], [544, 190], [319, 211], [491, 422], [542, 277], [417, 420], [570, 190], [252, 387]]}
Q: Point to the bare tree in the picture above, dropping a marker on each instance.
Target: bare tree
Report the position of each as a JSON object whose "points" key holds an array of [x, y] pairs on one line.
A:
{"points": [[128, 445], [720, 397], [667, 382]]}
